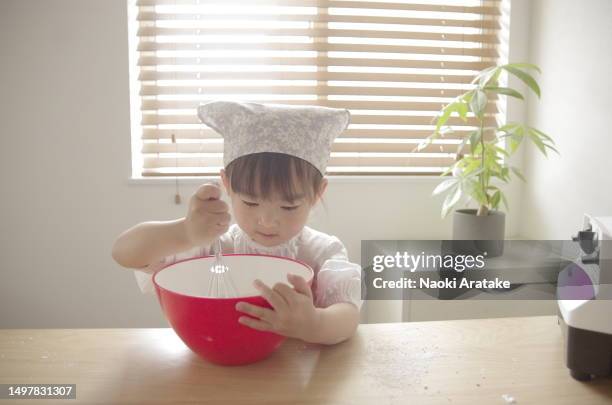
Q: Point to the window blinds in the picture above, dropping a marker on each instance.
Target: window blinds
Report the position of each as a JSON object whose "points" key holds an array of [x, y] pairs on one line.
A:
{"points": [[393, 64]]}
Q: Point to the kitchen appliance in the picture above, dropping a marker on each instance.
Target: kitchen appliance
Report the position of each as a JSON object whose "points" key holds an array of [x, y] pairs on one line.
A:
{"points": [[584, 296]]}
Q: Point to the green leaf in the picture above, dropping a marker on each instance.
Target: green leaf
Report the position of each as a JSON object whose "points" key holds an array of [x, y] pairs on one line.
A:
{"points": [[462, 110], [538, 142], [495, 199], [450, 201], [540, 134], [445, 186], [509, 126], [478, 102], [470, 167], [501, 151], [444, 131], [505, 91], [493, 80], [515, 142], [476, 192], [512, 128], [444, 116], [552, 148], [449, 169], [474, 140], [484, 74], [477, 149], [524, 65], [476, 172], [545, 139], [466, 97], [524, 77], [487, 76], [505, 174], [462, 145], [456, 106], [518, 173], [423, 144]]}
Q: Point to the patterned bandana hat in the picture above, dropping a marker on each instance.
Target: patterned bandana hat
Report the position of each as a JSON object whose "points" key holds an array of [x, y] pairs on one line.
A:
{"points": [[306, 132]]}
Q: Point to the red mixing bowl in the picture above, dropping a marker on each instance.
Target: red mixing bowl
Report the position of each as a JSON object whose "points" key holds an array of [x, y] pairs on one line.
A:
{"points": [[209, 326]]}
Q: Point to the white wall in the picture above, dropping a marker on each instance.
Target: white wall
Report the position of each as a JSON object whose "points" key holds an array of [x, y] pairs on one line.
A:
{"points": [[65, 144], [570, 41]]}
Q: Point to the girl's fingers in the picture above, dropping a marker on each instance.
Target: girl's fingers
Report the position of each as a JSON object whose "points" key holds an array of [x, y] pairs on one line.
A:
{"points": [[208, 191], [273, 297], [262, 313], [255, 323], [286, 292], [299, 284]]}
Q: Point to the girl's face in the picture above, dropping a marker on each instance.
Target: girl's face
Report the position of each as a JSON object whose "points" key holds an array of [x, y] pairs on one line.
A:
{"points": [[270, 221]]}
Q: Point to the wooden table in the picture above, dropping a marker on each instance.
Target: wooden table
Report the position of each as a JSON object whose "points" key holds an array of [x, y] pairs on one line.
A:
{"points": [[442, 362]]}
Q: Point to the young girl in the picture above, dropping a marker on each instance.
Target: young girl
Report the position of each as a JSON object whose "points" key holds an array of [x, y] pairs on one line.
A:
{"points": [[274, 158]]}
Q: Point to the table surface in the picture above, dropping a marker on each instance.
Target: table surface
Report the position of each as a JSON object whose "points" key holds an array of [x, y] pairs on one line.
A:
{"points": [[441, 362]]}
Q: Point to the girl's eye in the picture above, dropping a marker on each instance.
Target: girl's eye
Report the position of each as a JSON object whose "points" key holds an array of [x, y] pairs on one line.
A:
{"points": [[250, 204], [291, 208]]}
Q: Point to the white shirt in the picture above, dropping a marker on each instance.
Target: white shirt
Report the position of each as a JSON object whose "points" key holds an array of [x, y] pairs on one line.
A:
{"points": [[336, 279]]}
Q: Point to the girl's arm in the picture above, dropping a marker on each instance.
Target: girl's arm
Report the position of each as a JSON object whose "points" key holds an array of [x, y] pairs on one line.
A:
{"points": [[336, 323], [149, 242]]}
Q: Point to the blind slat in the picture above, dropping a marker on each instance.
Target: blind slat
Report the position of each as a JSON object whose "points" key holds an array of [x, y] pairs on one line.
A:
{"points": [[448, 8], [321, 18], [155, 104], [197, 172], [153, 119], [335, 160], [319, 47], [399, 133], [296, 90], [406, 147], [315, 32], [153, 75], [305, 61]]}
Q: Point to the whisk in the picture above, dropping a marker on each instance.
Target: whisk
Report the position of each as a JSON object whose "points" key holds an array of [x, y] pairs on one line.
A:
{"points": [[221, 284]]}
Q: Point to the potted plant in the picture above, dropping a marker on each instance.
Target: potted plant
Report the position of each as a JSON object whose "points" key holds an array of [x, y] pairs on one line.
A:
{"points": [[482, 156]]}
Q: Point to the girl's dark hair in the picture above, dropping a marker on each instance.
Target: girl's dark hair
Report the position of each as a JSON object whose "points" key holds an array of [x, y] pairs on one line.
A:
{"points": [[261, 174]]}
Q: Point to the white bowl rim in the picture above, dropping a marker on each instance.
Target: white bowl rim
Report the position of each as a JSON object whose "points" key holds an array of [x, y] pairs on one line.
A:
{"points": [[310, 270]]}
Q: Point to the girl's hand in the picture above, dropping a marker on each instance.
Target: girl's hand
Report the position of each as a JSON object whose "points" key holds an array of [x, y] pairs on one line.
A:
{"points": [[293, 314], [207, 216]]}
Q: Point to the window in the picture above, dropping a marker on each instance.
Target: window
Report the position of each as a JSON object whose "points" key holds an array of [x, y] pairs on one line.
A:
{"points": [[393, 64]]}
